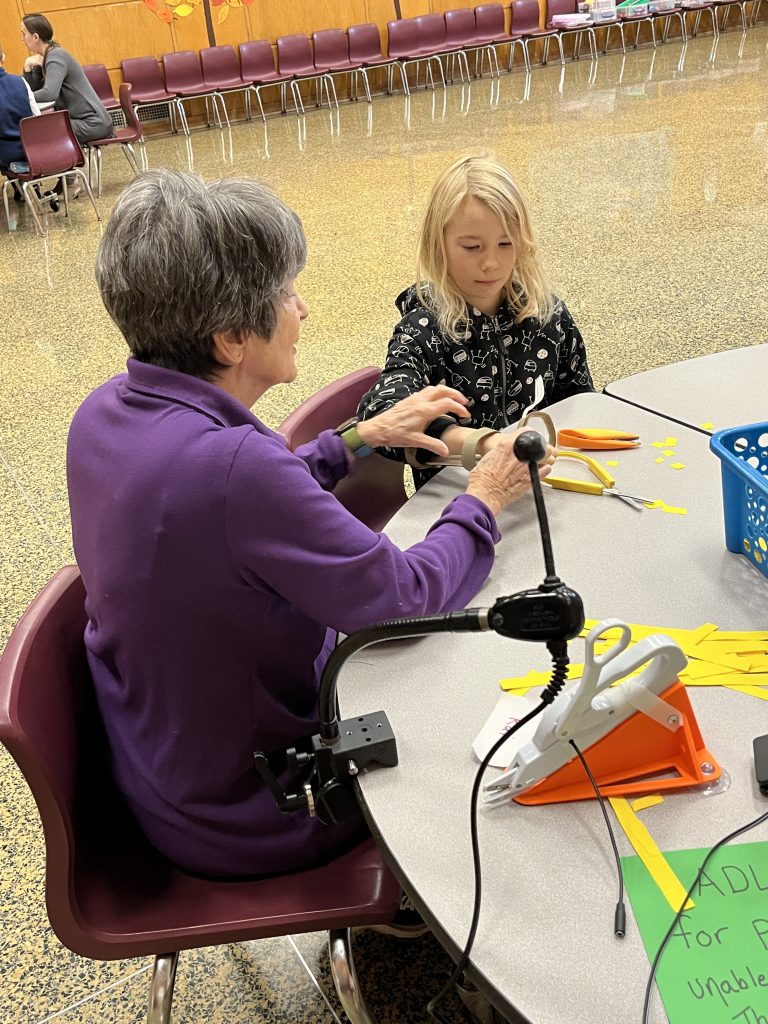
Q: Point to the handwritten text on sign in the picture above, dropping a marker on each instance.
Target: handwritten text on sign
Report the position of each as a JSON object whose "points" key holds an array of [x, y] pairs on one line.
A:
{"points": [[715, 967]]}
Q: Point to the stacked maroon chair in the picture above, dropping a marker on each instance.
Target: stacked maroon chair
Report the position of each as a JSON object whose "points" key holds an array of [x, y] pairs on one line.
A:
{"points": [[433, 43], [109, 894], [221, 73], [331, 48], [710, 7], [555, 7], [403, 47], [143, 73], [461, 31], [52, 151], [123, 137], [98, 76], [491, 31], [294, 58], [184, 77], [365, 48], [525, 28], [257, 66]]}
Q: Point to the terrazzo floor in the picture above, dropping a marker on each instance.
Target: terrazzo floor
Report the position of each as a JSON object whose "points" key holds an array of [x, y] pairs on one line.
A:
{"points": [[646, 176]]}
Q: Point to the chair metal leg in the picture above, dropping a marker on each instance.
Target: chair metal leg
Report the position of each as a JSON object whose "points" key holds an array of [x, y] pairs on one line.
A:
{"points": [[6, 186], [345, 977], [161, 988], [29, 199], [182, 116], [79, 173], [366, 84]]}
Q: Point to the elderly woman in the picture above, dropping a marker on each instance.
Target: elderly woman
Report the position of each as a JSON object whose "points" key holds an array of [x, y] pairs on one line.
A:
{"points": [[217, 563]]}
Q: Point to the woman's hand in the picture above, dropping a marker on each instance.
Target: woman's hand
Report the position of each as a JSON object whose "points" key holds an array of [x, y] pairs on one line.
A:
{"points": [[403, 425], [499, 478], [32, 61]]}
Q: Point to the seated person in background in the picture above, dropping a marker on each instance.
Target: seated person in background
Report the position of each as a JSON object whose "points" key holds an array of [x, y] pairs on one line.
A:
{"points": [[218, 565], [481, 317], [55, 77], [16, 102]]}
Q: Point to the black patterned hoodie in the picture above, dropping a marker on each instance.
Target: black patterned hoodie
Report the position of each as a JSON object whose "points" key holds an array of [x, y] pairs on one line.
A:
{"points": [[494, 363]]}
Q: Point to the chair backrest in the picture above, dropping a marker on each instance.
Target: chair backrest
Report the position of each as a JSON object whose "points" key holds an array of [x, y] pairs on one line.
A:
{"points": [[50, 144], [256, 60], [375, 491], [294, 55], [430, 31], [183, 71], [489, 20], [365, 43], [98, 76], [403, 39], [459, 26], [330, 46], [135, 131], [144, 75], [525, 16], [219, 64], [560, 7]]}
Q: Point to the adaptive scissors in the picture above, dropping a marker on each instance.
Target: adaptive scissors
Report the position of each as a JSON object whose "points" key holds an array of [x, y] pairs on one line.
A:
{"points": [[606, 485], [596, 439]]}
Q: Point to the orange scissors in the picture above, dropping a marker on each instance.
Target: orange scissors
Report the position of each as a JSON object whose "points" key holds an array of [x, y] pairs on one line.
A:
{"points": [[596, 439]]}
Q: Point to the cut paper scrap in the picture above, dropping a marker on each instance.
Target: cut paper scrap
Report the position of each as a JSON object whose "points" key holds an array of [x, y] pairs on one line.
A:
{"points": [[647, 801], [706, 426], [658, 444], [668, 453], [660, 459], [670, 442], [677, 465], [611, 462], [673, 509], [649, 853]]}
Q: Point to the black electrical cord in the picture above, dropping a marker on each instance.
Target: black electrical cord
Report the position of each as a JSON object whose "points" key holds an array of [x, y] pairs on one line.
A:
{"points": [[559, 651], [620, 914], [679, 914]]}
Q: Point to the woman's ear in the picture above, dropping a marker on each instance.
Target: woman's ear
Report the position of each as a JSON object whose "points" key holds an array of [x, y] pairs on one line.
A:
{"points": [[229, 347]]}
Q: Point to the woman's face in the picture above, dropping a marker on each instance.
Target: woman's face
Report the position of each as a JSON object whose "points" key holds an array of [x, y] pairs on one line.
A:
{"points": [[31, 40], [480, 253], [274, 361]]}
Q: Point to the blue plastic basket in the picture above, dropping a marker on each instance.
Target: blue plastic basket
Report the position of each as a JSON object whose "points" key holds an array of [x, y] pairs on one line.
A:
{"points": [[743, 452]]}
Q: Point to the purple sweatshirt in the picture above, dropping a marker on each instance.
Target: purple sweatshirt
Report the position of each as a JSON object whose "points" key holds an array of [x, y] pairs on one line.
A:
{"points": [[218, 567]]}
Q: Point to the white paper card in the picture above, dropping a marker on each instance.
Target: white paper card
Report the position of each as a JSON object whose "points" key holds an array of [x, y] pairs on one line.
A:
{"points": [[510, 708]]}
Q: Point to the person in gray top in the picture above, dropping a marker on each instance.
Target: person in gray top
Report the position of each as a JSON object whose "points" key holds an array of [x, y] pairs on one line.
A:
{"points": [[55, 76]]}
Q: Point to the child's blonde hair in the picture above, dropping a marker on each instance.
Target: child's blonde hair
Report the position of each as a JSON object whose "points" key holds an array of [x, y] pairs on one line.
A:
{"points": [[527, 291]]}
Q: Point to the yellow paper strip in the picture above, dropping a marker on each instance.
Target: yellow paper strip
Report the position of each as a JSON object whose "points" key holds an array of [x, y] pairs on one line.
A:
{"points": [[753, 691], [673, 510], [654, 860], [647, 801]]}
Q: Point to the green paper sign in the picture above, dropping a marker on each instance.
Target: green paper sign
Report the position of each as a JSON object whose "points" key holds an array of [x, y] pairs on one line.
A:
{"points": [[714, 969]]}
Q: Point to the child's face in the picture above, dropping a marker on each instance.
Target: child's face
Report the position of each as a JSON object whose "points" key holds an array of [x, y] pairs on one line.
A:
{"points": [[480, 254]]}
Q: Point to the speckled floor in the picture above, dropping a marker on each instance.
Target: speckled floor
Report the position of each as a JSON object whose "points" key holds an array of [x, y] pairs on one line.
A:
{"points": [[647, 180]]}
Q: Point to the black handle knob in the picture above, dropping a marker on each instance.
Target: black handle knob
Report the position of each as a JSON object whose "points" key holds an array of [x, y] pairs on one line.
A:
{"points": [[530, 447]]}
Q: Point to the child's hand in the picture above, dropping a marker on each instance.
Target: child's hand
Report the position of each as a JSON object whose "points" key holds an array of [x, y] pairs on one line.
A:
{"points": [[499, 478], [403, 425]]}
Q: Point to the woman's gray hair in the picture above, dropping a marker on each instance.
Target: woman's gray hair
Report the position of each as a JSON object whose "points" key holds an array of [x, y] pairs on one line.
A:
{"points": [[182, 259]]}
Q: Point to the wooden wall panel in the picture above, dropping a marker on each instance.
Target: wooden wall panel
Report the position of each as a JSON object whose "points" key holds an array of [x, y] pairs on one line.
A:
{"points": [[108, 34], [281, 19], [190, 33], [10, 35]]}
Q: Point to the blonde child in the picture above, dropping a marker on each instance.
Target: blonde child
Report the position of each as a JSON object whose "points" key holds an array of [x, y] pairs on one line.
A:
{"points": [[481, 317]]}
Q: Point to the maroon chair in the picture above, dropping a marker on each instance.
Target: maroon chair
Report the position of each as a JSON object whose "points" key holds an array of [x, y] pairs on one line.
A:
{"points": [[365, 48], [123, 137], [98, 76], [109, 894], [375, 491], [143, 73], [461, 31], [221, 72], [403, 46], [184, 77], [491, 31], [257, 66], [432, 36], [331, 48], [52, 151], [525, 27], [555, 7], [710, 7], [294, 58]]}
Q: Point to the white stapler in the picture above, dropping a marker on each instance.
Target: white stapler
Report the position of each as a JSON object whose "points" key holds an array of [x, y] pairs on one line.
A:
{"points": [[589, 710]]}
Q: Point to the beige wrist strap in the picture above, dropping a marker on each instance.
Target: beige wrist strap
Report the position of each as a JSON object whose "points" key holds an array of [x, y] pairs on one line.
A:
{"points": [[468, 457]]}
